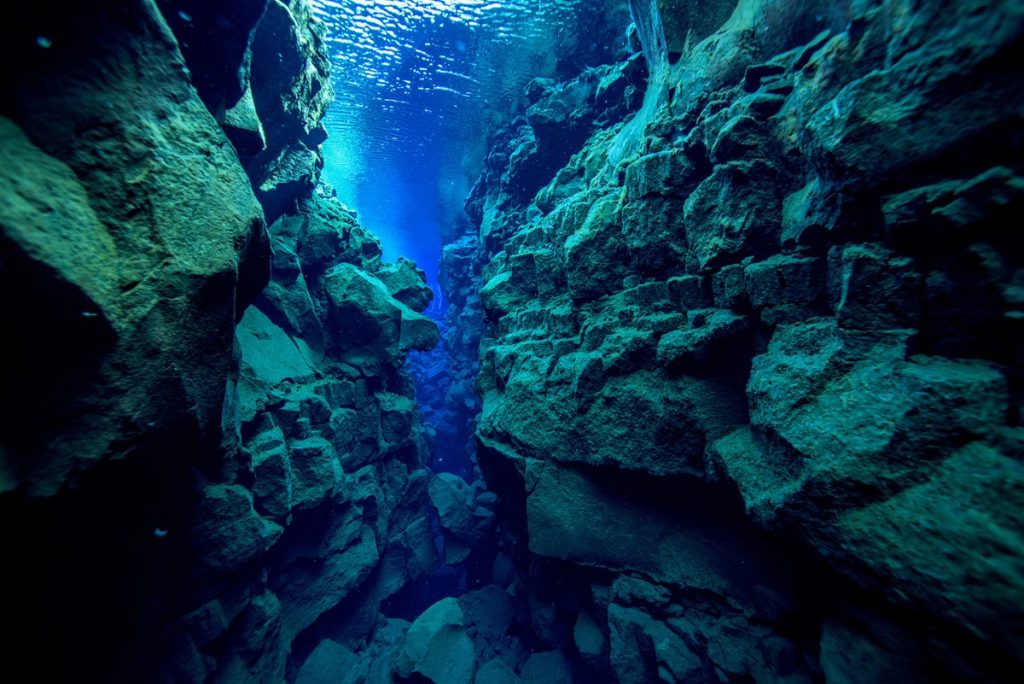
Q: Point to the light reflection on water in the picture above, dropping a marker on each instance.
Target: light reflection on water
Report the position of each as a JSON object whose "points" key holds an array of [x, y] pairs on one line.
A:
{"points": [[418, 84]]}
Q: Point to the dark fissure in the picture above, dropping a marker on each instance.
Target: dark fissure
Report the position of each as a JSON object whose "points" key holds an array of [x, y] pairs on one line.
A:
{"points": [[512, 342]]}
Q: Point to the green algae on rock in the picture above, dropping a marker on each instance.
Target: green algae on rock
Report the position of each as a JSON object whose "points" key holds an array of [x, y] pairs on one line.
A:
{"points": [[172, 298]]}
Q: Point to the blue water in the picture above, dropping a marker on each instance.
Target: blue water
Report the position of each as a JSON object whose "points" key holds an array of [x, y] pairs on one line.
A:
{"points": [[419, 83]]}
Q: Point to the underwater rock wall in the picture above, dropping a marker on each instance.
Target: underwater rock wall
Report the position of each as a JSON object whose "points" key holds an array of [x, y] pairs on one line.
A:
{"points": [[752, 378], [190, 485], [261, 67], [609, 92], [331, 449], [113, 165]]}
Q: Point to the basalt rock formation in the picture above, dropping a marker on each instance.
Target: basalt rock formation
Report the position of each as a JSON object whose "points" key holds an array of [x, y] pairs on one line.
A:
{"points": [[747, 302], [330, 448], [751, 379], [191, 482], [262, 69]]}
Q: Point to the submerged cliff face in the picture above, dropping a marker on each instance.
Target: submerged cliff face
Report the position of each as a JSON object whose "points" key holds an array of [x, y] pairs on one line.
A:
{"points": [[750, 304], [751, 382], [330, 452], [190, 485]]}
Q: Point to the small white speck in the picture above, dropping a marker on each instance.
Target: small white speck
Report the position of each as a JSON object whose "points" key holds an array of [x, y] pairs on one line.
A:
{"points": [[184, 16], [159, 533], [43, 42], [89, 314]]}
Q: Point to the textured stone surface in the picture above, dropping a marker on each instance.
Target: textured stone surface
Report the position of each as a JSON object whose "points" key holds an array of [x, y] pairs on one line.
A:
{"points": [[291, 90], [333, 452], [143, 189], [132, 243], [215, 37], [206, 493], [407, 284], [462, 513], [748, 304], [496, 672], [336, 451], [752, 308], [330, 662], [362, 313], [261, 68], [437, 647]]}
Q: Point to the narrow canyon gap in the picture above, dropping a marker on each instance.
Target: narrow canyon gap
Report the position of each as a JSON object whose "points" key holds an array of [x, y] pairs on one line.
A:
{"points": [[512, 342]]}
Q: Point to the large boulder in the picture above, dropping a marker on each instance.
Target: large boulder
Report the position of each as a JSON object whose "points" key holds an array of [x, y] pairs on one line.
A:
{"points": [[407, 284], [362, 314], [330, 663], [437, 647], [496, 671], [452, 497], [548, 666]]}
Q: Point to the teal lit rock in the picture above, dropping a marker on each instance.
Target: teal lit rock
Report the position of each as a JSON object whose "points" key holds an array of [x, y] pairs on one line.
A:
{"points": [[407, 284], [141, 191], [549, 666], [593, 341], [329, 662], [496, 671], [212, 461], [772, 300], [232, 533], [363, 314], [437, 647]]}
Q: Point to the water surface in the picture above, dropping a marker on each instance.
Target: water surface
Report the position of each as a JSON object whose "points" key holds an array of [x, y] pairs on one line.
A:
{"points": [[419, 83]]}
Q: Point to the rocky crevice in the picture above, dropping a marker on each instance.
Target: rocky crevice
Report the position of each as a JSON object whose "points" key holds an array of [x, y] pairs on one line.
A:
{"points": [[209, 438], [747, 359], [749, 391]]}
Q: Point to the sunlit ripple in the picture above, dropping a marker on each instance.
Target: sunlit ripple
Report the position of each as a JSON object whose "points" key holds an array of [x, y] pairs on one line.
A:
{"points": [[419, 84], [403, 68]]}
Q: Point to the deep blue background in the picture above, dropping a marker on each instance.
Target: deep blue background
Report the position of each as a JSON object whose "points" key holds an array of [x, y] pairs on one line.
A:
{"points": [[418, 84]]}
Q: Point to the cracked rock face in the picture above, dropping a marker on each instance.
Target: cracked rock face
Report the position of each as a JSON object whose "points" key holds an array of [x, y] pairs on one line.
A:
{"points": [[762, 319], [748, 304], [82, 146], [191, 481], [331, 451]]}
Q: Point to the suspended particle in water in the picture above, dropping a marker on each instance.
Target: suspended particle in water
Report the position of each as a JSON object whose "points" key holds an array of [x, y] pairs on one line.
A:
{"points": [[43, 42], [185, 16]]}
